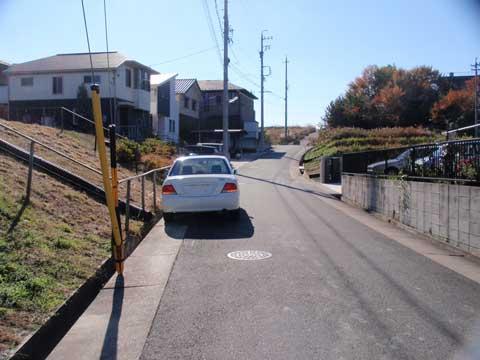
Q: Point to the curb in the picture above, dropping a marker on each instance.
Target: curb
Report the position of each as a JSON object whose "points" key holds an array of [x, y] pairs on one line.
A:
{"points": [[42, 341]]}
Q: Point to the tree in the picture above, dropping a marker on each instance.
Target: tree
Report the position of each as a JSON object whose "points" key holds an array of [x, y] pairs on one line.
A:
{"points": [[455, 108], [387, 96], [83, 104]]}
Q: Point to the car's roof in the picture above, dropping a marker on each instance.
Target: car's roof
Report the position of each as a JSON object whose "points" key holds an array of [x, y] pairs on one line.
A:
{"points": [[202, 157]]}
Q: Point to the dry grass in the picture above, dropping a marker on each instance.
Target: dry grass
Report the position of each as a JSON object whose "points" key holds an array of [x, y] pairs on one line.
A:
{"points": [[80, 147], [59, 241], [276, 134]]}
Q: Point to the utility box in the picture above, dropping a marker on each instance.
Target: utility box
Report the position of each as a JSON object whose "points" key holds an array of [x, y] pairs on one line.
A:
{"points": [[330, 170]]}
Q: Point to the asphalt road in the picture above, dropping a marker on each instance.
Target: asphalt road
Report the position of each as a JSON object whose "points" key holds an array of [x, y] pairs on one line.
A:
{"points": [[333, 288]]}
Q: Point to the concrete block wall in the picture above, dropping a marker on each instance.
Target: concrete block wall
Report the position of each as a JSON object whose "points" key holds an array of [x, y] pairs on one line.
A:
{"points": [[447, 212]]}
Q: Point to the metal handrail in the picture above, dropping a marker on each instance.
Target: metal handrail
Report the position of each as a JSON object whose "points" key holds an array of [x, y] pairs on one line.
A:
{"points": [[129, 183], [49, 148], [163, 168], [88, 120]]}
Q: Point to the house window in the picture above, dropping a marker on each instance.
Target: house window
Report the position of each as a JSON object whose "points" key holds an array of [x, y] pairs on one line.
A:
{"points": [[136, 78], [27, 81], [128, 78], [218, 99], [87, 79], [57, 85], [194, 105], [186, 101], [145, 81]]}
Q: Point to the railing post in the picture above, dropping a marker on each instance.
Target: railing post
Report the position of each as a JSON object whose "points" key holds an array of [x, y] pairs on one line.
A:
{"points": [[127, 210], [413, 156], [61, 118], [155, 191], [385, 154], [30, 172], [143, 193]]}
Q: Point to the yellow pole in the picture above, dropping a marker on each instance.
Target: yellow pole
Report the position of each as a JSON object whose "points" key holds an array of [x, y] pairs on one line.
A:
{"points": [[107, 185]]}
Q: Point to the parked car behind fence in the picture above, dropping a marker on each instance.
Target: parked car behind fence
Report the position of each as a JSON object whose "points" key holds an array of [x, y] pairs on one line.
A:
{"points": [[448, 160]]}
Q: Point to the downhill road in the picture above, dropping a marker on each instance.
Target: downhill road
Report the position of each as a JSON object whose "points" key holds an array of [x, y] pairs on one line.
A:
{"points": [[334, 288]]}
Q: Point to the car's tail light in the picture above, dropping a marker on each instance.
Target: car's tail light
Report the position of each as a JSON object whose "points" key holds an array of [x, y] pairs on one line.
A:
{"points": [[229, 187], [168, 190]]}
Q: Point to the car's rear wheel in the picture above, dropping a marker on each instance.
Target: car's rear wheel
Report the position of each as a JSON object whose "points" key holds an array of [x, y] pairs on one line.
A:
{"points": [[168, 217]]}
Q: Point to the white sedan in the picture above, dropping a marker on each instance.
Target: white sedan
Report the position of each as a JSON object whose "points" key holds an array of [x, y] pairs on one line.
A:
{"points": [[199, 184]]}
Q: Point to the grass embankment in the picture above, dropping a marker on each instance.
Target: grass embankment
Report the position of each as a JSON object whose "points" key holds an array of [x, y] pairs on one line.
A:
{"points": [[47, 252], [337, 141], [276, 134], [80, 146]]}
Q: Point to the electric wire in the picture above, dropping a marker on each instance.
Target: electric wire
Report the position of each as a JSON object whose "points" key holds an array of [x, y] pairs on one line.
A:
{"points": [[213, 33], [185, 56], [108, 63], [88, 40]]}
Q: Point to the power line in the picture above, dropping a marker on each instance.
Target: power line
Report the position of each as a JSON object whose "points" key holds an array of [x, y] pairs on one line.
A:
{"points": [[108, 64], [213, 33], [218, 17], [185, 56], [88, 39]]}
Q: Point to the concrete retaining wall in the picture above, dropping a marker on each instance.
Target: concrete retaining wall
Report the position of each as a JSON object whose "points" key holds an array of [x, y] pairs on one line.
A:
{"points": [[447, 212]]}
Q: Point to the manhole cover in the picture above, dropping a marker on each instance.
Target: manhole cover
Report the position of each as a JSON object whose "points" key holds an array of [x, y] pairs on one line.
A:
{"points": [[249, 255]]}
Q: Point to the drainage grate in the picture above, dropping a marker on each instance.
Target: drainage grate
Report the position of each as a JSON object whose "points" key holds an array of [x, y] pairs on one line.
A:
{"points": [[249, 255]]}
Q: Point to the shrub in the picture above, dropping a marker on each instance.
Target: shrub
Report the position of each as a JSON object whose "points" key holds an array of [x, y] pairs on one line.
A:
{"points": [[126, 150], [154, 161]]}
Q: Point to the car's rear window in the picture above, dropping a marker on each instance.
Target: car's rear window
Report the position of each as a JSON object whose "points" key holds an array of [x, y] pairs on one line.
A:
{"points": [[201, 149], [199, 166]]}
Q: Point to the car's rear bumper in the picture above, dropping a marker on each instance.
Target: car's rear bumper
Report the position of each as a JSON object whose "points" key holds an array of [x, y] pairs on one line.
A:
{"points": [[180, 204]]}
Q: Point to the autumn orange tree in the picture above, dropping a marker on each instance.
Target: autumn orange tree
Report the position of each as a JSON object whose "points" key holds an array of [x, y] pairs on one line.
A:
{"points": [[456, 108], [387, 96]]}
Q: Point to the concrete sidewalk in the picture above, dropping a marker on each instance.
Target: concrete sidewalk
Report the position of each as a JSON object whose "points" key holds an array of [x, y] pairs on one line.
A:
{"points": [[116, 324]]}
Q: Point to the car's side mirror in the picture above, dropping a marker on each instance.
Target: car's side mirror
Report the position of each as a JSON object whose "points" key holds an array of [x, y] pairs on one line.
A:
{"points": [[234, 171]]}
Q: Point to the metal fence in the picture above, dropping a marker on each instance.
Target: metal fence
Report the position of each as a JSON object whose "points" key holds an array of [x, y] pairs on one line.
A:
{"points": [[449, 160], [156, 179]]}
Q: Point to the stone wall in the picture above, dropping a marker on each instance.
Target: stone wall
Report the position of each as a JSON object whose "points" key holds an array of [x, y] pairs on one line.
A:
{"points": [[447, 212]]}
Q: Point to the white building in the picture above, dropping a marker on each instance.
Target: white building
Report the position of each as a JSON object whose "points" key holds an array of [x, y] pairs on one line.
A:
{"points": [[39, 88], [164, 107]]}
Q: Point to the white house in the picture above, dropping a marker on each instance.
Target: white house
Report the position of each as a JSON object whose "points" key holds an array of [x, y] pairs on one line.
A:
{"points": [[39, 88], [164, 107]]}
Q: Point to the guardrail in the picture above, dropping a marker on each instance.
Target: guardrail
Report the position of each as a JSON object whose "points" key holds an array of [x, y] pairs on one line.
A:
{"points": [[443, 161], [142, 177]]}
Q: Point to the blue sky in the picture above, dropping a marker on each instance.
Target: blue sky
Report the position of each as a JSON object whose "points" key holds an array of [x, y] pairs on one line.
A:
{"points": [[328, 42]]}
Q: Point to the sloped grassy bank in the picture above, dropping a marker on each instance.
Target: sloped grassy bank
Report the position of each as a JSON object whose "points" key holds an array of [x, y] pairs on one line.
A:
{"points": [[337, 141], [47, 249]]}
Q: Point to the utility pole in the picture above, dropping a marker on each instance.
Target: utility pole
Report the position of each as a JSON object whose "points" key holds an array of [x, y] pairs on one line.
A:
{"points": [[286, 99], [226, 30], [475, 94], [263, 48]]}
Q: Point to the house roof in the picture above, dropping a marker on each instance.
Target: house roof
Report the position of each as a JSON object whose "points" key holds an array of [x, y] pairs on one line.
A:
{"points": [[159, 79], [217, 85], [74, 62], [182, 85]]}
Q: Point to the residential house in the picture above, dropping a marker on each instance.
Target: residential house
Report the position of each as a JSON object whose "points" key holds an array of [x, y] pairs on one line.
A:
{"points": [[39, 88], [3, 90], [189, 99], [243, 128], [164, 107]]}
